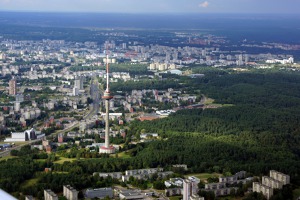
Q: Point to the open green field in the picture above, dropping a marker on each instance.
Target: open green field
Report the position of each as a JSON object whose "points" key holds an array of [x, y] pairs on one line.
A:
{"points": [[16, 143], [30, 182], [61, 160], [40, 160], [123, 155], [175, 198], [7, 157], [208, 101]]}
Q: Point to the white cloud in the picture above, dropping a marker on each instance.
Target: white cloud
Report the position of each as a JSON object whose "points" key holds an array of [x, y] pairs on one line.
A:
{"points": [[205, 4]]}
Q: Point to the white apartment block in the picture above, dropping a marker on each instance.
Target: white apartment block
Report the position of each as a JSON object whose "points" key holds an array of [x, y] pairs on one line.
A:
{"points": [[285, 179], [70, 193], [276, 181], [115, 175], [271, 182], [143, 171], [187, 189], [49, 195], [265, 190]]}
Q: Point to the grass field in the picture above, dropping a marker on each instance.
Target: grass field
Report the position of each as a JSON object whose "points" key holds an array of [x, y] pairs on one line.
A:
{"points": [[175, 198], [40, 160], [16, 143], [204, 176], [8, 157], [123, 155], [30, 182], [209, 101], [61, 160]]}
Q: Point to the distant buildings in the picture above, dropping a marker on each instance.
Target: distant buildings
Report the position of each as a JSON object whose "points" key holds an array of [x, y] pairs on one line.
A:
{"points": [[290, 60], [12, 86], [140, 174], [115, 175], [276, 181], [162, 66], [144, 174], [221, 188]]}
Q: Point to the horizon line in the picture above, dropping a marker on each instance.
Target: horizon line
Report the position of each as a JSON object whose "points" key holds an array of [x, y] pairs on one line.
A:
{"points": [[147, 13]]}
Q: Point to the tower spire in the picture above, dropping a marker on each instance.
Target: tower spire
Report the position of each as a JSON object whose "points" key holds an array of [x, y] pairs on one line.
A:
{"points": [[107, 74]]}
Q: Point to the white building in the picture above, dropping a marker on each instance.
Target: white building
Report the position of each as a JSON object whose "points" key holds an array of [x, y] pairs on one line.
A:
{"points": [[187, 189], [25, 136], [70, 193], [49, 195]]}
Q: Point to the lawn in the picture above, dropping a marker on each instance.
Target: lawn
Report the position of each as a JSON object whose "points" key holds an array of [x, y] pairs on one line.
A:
{"points": [[175, 197], [204, 176], [61, 160], [208, 101], [7, 157], [30, 182], [123, 155]]}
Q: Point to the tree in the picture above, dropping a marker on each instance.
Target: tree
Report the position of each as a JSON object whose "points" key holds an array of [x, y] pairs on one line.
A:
{"points": [[159, 185]]}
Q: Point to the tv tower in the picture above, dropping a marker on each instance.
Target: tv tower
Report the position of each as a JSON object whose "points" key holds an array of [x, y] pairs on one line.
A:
{"points": [[107, 148]]}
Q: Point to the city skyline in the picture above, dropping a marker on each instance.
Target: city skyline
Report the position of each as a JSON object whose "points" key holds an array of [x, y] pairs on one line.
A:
{"points": [[155, 6]]}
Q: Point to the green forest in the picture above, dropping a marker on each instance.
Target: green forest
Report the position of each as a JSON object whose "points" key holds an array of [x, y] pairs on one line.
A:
{"points": [[258, 133]]}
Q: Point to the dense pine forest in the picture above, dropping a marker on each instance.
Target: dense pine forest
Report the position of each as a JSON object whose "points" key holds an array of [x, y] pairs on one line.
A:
{"points": [[257, 132]]}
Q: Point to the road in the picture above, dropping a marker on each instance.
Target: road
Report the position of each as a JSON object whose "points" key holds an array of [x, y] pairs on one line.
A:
{"points": [[94, 109], [17, 147]]}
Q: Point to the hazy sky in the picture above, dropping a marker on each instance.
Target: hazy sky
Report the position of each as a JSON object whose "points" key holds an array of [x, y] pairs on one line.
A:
{"points": [[155, 6]]}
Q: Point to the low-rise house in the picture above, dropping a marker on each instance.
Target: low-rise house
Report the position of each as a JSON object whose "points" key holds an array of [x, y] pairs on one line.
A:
{"points": [[100, 193], [131, 194]]}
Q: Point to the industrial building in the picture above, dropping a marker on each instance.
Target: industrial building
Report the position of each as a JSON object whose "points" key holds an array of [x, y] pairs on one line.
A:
{"points": [[25, 136], [99, 193]]}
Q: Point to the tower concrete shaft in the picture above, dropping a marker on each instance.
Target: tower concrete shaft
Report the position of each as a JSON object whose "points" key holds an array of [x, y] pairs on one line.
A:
{"points": [[107, 123]]}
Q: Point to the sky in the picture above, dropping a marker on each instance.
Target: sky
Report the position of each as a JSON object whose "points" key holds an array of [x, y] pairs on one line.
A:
{"points": [[154, 6]]}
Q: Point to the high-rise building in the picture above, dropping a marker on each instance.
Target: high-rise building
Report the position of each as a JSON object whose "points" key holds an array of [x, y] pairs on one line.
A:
{"points": [[49, 195], [190, 187], [107, 148], [12, 86], [70, 193], [78, 82], [187, 189]]}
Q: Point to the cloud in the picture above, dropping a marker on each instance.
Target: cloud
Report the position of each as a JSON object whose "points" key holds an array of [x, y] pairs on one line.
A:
{"points": [[205, 4]]}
